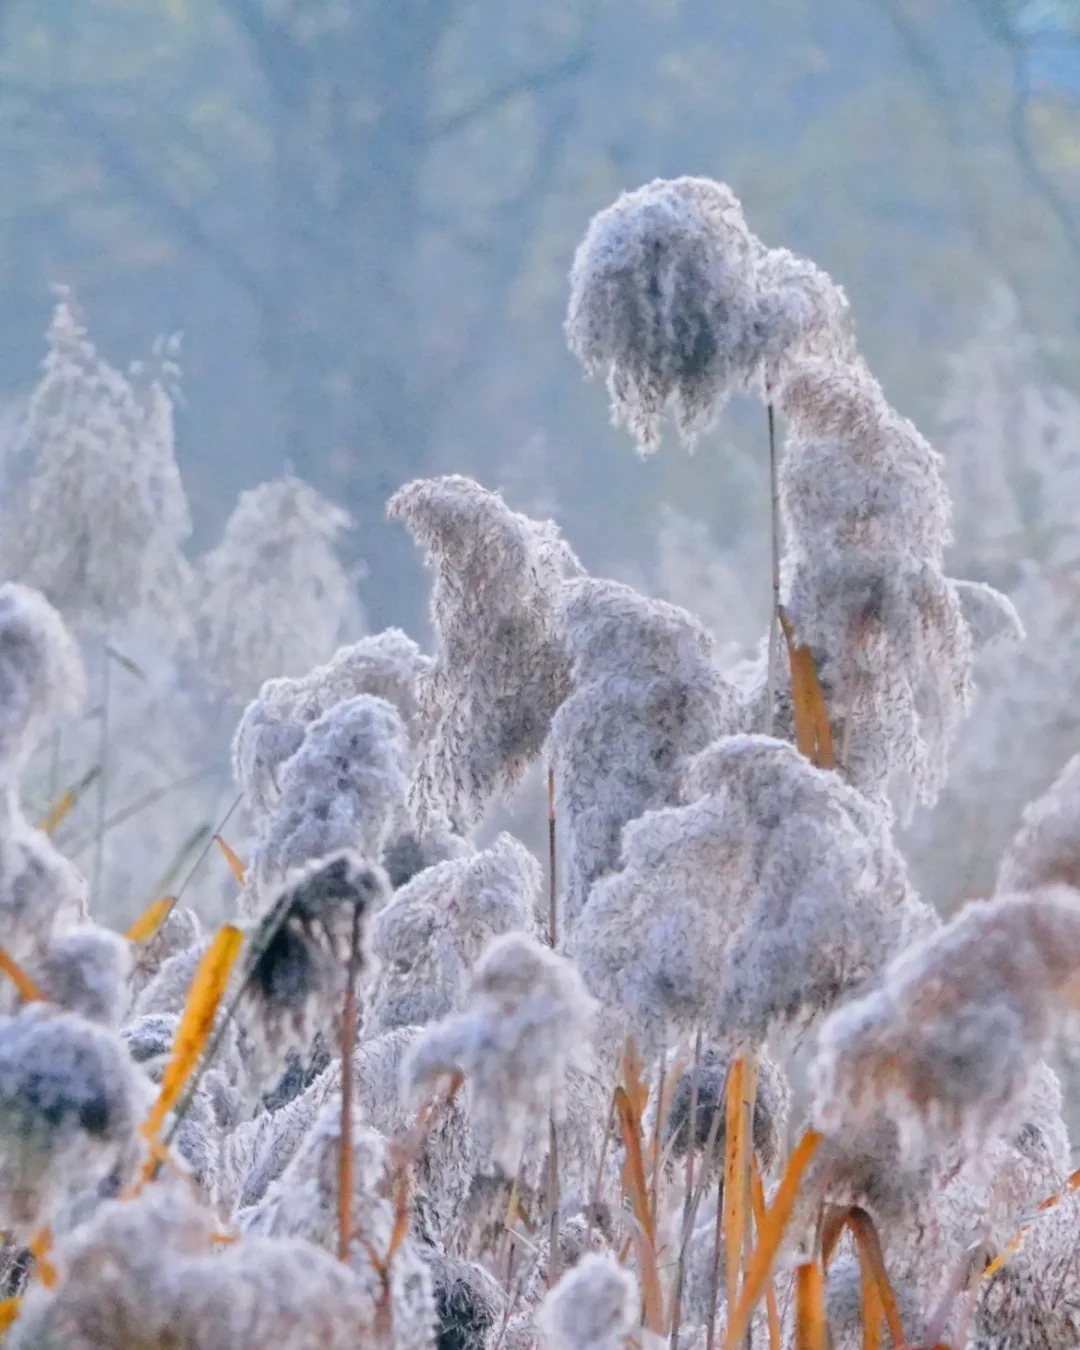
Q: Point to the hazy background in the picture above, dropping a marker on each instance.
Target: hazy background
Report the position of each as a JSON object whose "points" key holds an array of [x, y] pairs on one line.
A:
{"points": [[361, 213]]}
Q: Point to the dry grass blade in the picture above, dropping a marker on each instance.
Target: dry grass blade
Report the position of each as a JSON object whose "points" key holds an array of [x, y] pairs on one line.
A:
{"points": [[741, 1091], [204, 998], [237, 868], [872, 1260], [757, 1200], [348, 1044], [636, 1188], [872, 1311], [813, 734], [811, 1330], [150, 920], [680, 1271], [66, 803], [9, 1312], [770, 1236], [40, 1245], [28, 990], [126, 663]]}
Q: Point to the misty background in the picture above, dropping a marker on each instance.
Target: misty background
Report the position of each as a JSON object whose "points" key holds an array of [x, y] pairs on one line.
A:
{"points": [[360, 215]]}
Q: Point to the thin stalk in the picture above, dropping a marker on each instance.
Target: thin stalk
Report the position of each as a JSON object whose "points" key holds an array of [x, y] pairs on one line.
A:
{"points": [[714, 1273], [553, 1217], [103, 776], [148, 799], [553, 884], [348, 1044], [203, 853], [774, 620], [553, 1138], [691, 1150], [654, 1198], [595, 1206]]}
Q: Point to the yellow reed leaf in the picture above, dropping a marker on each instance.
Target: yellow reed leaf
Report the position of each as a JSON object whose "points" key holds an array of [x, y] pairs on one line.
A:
{"points": [[872, 1261], [40, 1245], [9, 1312], [872, 1311], [237, 868], [757, 1201], [635, 1186], [811, 1331], [741, 1085], [28, 990], [150, 920], [813, 734], [207, 988], [770, 1235], [67, 801]]}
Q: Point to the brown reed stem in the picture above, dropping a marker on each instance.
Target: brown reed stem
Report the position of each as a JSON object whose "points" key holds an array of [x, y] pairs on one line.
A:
{"points": [[774, 620], [348, 1045], [691, 1150]]}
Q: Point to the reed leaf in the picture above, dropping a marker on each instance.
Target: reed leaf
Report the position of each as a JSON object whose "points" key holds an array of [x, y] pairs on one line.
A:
{"points": [[811, 1329], [757, 1201], [204, 998], [150, 920], [67, 801], [770, 1236], [813, 734], [28, 990], [237, 868]]}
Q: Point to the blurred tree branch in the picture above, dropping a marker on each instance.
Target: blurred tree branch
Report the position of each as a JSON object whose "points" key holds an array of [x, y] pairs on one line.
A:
{"points": [[933, 77], [998, 24]]}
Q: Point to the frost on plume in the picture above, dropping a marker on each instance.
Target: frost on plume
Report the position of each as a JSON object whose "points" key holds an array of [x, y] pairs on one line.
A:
{"points": [[385, 665], [275, 598], [951, 1038], [866, 518], [767, 898], [98, 523], [499, 671], [1046, 849], [344, 788], [679, 305], [646, 696], [437, 926], [525, 1026]]}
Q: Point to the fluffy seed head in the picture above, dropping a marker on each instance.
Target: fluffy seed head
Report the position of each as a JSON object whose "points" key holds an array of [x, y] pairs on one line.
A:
{"points": [[70, 1101], [593, 1307], [85, 970], [1046, 849], [679, 305], [41, 676], [500, 670], [385, 665], [867, 522], [526, 1024], [98, 523], [950, 1039], [343, 789], [768, 897], [275, 597], [436, 928], [646, 696], [302, 948]]}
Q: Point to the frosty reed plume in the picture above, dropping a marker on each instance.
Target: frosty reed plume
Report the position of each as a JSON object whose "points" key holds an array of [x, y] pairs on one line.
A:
{"points": [[708, 1073]]}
